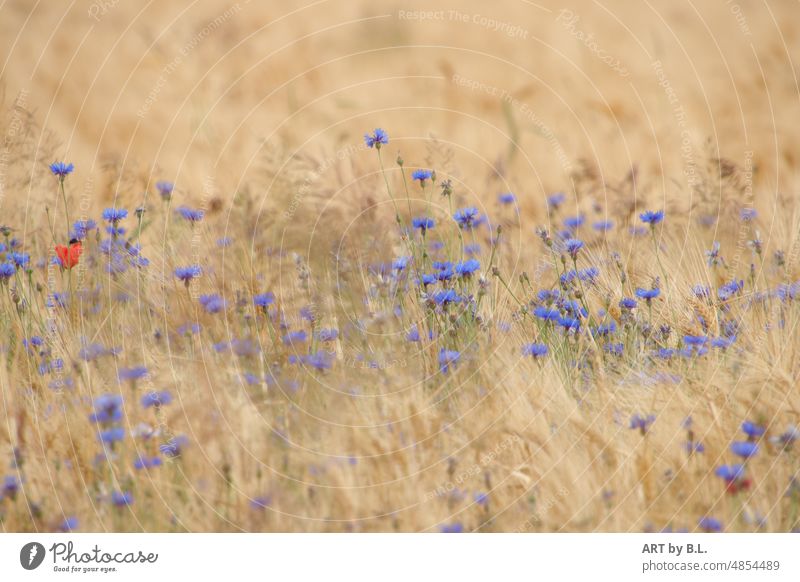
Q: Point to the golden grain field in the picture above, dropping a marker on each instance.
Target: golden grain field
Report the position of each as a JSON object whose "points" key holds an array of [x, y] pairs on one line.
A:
{"points": [[257, 335]]}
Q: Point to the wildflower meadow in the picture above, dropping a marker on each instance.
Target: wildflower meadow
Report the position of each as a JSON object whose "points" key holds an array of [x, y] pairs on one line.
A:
{"points": [[364, 296]]}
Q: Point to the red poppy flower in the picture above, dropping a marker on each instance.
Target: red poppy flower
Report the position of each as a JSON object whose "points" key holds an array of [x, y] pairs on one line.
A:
{"points": [[733, 487], [68, 255]]}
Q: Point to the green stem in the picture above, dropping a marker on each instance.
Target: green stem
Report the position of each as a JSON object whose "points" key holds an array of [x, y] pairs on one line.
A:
{"points": [[66, 208], [388, 189]]}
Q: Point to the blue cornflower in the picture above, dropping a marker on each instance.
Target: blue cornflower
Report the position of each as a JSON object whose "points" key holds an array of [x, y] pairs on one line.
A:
{"points": [[264, 299], [627, 303], [642, 423], [147, 462], [535, 350], [707, 220], [652, 217], [557, 199], [19, 259], [327, 335], [589, 274], [788, 437], [7, 271], [694, 447], [307, 312], [752, 429], [135, 373], [507, 198], [546, 313], [69, 524], [81, 229], [648, 294], [156, 399], [446, 296], [224, 242], [11, 485], [122, 498], [186, 274], [294, 337], [723, 342], [569, 323], [712, 256], [114, 215], [548, 295], [605, 329], [35, 341], [165, 189], [189, 328], [665, 353], [615, 349], [423, 223], [191, 214], [244, 348], [456, 527], [730, 328], [321, 360], [174, 446], [261, 502], [573, 308], [107, 409], [472, 249], [400, 263], [568, 277], [744, 449], [212, 303], [421, 175], [573, 222], [47, 367], [251, 379], [445, 274], [787, 292], [730, 473], [467, 268], [111, 435], [376, 139], [710, 524], [573, 246], [413, 334], [730, 289], [447, 358], [689, 351], [695, 340], [603, 225], [61, 169], [427, 279], [748, 214], [466, 217]]}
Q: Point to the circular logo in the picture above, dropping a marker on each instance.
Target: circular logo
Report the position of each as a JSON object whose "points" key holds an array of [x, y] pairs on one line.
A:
{"points": [[31, 555]]}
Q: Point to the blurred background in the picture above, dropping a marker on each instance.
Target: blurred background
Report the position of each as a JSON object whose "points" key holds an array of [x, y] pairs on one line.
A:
{"points": [[522, 91]]}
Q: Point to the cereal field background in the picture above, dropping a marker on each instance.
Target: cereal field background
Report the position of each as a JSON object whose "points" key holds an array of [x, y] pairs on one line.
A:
{"points": [[557, 292]]}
